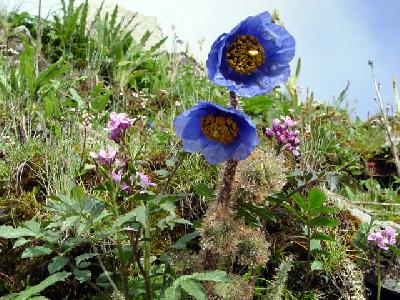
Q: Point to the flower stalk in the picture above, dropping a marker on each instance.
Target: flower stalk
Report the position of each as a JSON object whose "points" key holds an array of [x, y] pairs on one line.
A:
{"points": [[228, 175], [379, 274]]}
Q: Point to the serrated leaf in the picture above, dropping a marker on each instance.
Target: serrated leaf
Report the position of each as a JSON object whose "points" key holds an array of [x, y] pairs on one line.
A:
{"points": [[9, 232], [83, 257], [300, 201], [36, 289], [323, 221], [317, 265], [20, 242], [218, 276], [204, 190], [182, 242], [315, 245], [125, 218], [194, 289], [316, 199], [36, 251], [100, 102], [142, 214], [57, 264], [82, 275], [322, 237]]}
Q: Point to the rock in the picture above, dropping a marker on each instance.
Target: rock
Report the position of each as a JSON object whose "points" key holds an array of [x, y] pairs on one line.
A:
{"points": [[140, 23], [362, 214]]}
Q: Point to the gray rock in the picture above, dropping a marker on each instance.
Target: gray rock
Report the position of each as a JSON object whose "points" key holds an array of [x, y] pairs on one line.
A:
{"points": [[140, 25]]}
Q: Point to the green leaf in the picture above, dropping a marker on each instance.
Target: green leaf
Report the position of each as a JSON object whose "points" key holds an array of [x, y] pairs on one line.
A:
{"points": [[36, 251], [322, 237], [125, 218], [257, 105], [300, 201], [83, 257], [36, 289], [182, 242], [218, 276], [323, 221], [317, 265], [82, 275], [20, 242], [315, 245], [99, 103], [204, 190], [142, 213], [194, 289], [57, 264], [316, 199], [9, 232]]}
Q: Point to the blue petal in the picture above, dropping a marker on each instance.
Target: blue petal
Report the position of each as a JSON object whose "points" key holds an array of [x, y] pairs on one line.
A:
{"points": [[279, 47], [215, 152]]}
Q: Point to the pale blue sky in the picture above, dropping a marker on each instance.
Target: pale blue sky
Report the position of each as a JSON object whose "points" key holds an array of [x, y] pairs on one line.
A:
{"points": [[335, 38]]}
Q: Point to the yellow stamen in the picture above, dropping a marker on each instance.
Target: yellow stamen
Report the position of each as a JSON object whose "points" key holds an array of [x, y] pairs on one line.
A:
{"points": [[245, 54], [219, 128]]}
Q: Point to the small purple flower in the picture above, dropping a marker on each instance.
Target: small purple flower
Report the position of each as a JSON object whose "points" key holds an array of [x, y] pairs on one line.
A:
{"points": [[269, 133], [275, 125], [285, 136], [383, 238], [105, 157], [116, 177], [125, 188], [116, 123], [144, 180]]}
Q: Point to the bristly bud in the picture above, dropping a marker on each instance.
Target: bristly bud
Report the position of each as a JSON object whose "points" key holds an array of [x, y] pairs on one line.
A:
{"points": [[237, 289], [261, 174], [218, 232], [253, 249]]}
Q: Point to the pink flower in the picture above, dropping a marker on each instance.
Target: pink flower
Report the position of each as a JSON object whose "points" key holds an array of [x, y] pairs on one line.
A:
{"points": [[116, 177], [285, 136], [105, 157], [125, 187], [116, 123], [383, 238], [144, 180]]}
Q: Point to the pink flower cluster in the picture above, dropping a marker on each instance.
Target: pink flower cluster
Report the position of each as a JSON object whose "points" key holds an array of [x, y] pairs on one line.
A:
{"points": [[116, 123], [108, 158], [285, 136], [144, 180], [383, 238], [105, 157]]}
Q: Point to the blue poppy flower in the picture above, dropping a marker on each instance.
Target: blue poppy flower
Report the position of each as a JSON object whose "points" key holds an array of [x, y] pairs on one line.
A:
{"points": [[253, 58], [217, 132]]}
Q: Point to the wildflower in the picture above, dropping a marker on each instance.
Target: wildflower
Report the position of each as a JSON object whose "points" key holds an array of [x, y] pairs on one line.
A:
{"points": [[116, 177], [116, 123], [253, 58], [383, 238], [105, 157], [217, 132], [144, 180], [285, 136]]}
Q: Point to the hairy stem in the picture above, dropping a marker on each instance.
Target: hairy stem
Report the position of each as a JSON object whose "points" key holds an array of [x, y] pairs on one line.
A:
{"points": [[378, 271], [228, 174], [393, 146]]}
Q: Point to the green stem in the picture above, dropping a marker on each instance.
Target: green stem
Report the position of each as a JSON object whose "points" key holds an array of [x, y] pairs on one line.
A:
{"points": [[378, 271], [308, 254], [146, 258], [123, 266]]}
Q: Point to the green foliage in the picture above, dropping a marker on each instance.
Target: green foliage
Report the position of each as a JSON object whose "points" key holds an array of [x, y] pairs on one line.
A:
{"points": [[311, 213], [190, 284], [37, 289]]}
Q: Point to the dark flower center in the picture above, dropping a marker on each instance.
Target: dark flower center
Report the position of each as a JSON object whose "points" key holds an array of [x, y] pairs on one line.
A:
{"points": [[245, 54], [219, 128]]}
